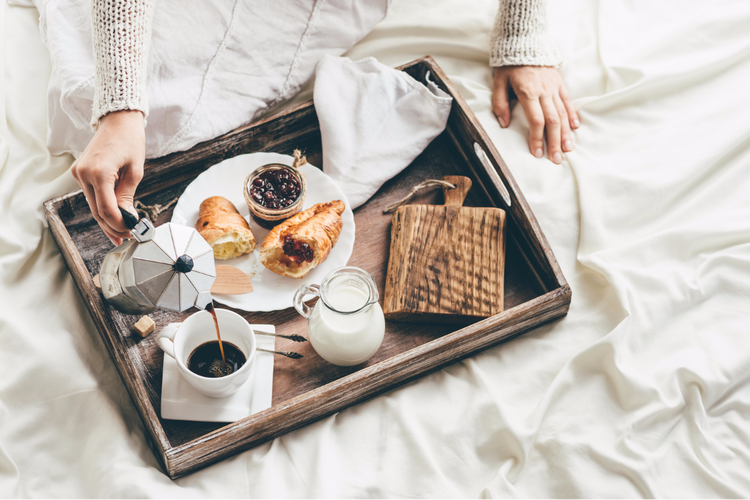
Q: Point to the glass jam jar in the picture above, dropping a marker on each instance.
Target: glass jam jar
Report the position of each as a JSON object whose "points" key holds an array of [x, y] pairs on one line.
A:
{"points": [[273, 193]]}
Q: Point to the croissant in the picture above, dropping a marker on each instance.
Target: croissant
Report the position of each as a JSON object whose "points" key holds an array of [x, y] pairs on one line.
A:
{"points": [[222, 226], [303, 241]]}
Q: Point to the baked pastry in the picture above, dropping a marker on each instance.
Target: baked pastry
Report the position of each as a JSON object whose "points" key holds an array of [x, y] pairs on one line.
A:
{"points": [[303, 241], [222, 226]]}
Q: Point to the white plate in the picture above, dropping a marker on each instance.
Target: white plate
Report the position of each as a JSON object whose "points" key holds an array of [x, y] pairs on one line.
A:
{"points": [[180, 401], [271, 291]]}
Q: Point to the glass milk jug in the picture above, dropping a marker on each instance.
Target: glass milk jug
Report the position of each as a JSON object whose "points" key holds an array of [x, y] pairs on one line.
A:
{"points": [[346, 325]]}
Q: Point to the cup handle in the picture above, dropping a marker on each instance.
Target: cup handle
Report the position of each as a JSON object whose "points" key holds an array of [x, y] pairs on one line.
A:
{"points": [[165, 339], [299, 299]]}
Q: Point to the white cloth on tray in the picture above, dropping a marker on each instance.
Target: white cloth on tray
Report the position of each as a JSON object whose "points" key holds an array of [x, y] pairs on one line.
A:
{"points": [[641, 391], [374, 121], [213, 66]]}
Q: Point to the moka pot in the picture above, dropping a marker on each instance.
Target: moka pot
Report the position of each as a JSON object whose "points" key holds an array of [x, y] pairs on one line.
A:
{"points": [[170, 267]]}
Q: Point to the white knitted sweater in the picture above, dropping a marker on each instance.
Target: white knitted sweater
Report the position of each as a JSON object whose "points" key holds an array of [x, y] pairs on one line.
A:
{"points": [[520, 36], [121, 32]]}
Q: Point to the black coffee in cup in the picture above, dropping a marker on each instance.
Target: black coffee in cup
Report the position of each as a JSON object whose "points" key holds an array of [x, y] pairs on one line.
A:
{"points": [[206, 360]]}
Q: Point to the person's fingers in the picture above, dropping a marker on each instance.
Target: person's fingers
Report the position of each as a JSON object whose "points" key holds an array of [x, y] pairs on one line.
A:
{"points": [[90, 194], [106, 204], [74, 172], [573, 117], [130, 177], [500, 99], [552, 124], [535, 116], [566, 138], [116, 240]]}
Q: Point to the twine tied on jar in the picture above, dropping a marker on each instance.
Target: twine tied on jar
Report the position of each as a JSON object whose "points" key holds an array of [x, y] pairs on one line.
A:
{"points": [[299, 159]]}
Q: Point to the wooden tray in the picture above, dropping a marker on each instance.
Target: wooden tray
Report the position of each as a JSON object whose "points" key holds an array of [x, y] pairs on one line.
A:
{"points": [[308, 389]]}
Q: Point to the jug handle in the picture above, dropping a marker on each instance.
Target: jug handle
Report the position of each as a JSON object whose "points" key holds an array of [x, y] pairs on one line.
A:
{"points": [[299, 297]]}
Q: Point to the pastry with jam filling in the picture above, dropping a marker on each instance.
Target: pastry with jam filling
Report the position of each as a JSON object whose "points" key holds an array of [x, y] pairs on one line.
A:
{"points": [[300, 243]]}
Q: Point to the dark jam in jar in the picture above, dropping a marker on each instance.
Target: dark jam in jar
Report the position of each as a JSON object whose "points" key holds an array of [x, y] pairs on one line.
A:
{"points": [[275, 189], [299, 251]]}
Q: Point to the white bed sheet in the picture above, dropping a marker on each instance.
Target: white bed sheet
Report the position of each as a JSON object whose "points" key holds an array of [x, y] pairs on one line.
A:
{"points": [[642, 390]]}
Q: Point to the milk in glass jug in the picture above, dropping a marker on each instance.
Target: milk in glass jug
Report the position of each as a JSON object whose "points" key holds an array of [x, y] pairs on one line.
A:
{"points": [[346, 325]]}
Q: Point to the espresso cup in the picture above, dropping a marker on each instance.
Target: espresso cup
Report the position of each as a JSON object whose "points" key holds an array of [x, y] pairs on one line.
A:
{"points": [[179, 340]]}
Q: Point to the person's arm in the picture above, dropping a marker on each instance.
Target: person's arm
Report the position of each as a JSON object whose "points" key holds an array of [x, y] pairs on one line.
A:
{"points": [[111, 167], [525, 60]]}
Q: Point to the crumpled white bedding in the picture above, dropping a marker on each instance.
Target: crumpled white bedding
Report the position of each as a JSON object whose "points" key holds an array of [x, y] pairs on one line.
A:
{"points": [[642, 390]]}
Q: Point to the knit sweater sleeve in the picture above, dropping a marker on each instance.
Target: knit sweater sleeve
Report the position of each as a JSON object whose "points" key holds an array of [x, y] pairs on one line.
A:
{"points": [[121, 31], [520, 36]]}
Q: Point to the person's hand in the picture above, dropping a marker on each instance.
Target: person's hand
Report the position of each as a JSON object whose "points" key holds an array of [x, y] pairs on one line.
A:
{"points": [[544, 98], [110, 169]]}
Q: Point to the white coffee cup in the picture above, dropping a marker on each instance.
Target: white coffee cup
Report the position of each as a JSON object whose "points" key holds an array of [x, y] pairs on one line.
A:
{"points": [[179, 340]]}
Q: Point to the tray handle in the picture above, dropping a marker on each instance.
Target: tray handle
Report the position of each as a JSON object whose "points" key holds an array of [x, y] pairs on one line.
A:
{"points": [[496, 180]]}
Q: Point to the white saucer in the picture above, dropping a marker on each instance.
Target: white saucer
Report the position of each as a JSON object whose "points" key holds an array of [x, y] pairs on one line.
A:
{"points": [[180, 401]]}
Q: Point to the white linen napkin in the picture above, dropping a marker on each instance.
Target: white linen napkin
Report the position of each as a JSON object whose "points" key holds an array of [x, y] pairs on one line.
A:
{"points": [[374, 121]]}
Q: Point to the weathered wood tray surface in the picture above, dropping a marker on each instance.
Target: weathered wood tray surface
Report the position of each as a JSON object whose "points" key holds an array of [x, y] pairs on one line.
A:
{"points": [[305, 390]]}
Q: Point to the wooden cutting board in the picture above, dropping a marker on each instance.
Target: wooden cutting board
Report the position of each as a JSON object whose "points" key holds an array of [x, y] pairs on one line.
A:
{"points": [[447, 262]]}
